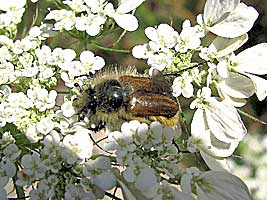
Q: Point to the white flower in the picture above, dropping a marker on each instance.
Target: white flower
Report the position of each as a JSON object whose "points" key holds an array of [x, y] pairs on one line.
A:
{"points": [[5, 20], [3, 175], [67, 109], [6, 139], [163, 36], [126, 21], [5, 41], [43, 54], [33, 165], [11, 152], [189, 38], [7, 170], [91, 63], [21, 46], [77, 146], [51, 144], [19, 100], [228, 18], [109, 183], [41, 98], [65, 19], [160, 61], [46, 188], [11, 6], [7, 72], [182, 85], [91, 23], [216, 126], [45, 125], [4, 53], [123, 140], [32, 134], [62, 57]]}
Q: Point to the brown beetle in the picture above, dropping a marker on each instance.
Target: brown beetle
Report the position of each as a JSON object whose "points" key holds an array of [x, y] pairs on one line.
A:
{"points": [[122, 95]]}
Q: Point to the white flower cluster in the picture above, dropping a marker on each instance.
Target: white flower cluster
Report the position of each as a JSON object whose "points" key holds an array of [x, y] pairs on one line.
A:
{"points": [[130, 146], [18, 58], [91, 15], [216, 127], [10, 17], [136, 138], [47, 167]]}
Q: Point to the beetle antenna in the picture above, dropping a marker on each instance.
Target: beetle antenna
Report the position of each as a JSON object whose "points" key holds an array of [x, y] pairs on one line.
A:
{"points": [[89, 75], [178, 73]]}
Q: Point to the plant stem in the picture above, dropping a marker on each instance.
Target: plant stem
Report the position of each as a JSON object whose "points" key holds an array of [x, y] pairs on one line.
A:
{"points": [[110, 49], [251, 117], [19, 189]]}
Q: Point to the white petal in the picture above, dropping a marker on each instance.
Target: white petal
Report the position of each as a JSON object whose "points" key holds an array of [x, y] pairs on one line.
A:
{"points": [[164, 29], [26, 160], [99, 63], [86, 56], [151, 33], [128, 5], [126, 21], [216, 10], [186, 184], [216, 148], [3, 182], [222, 186], [225, 46], [68, 109], [140, 51], [129, 175], [253, 60], [225, 122], [10, 169], [93, 29], [146, 180], [206, 141], [216, 164], [222, 69], [188, 91], [3, 194], [105, 180], [238, 86], [261, 86], [239, 22], [198, 124], [68, 54]]}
